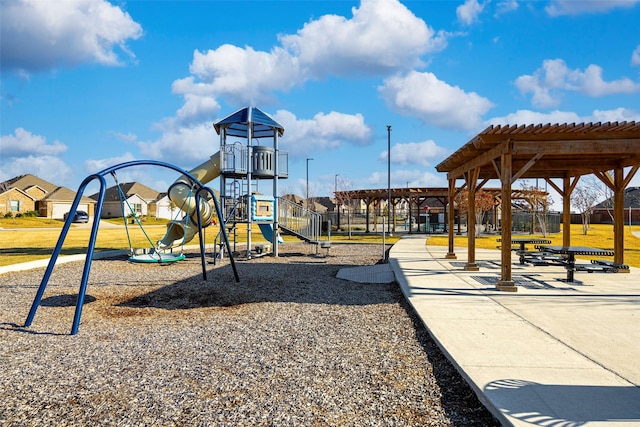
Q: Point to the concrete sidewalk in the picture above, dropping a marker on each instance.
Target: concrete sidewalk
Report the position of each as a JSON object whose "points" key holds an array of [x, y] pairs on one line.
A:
{"points": [[551, 354]]}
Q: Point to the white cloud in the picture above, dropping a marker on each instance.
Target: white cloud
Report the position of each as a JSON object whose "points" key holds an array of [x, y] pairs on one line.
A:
{"points": [[129, 138], [381, 36], [635, 56], [24, 143], [199, 105], [469, 11], [322, 132], [400, 177], [573, 7], [40, 35], [49, 168], [23, 153], [433, 101], [506, 6], [184, 146], [231, 72], [96, 165], [547, 83], [527, 117], [142, 174], [329, 45], [617, 115], [416, 153]]}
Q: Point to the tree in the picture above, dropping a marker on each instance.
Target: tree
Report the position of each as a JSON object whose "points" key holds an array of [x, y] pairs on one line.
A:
{"points": [[484, 203], [539, 202], [584, 198]]}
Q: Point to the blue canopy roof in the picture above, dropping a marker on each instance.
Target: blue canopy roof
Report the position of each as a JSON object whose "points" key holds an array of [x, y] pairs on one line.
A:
{"points": [[237, 124]]}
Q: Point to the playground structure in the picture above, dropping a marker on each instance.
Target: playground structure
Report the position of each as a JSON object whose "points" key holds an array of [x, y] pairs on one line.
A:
{"points": [[241, 167], [245, 161], [242, 162]]}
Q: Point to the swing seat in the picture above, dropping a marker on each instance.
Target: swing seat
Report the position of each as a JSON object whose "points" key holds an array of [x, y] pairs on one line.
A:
{"points": [[156, 258]]}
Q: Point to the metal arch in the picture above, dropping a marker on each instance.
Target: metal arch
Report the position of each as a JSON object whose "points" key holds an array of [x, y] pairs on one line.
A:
{"points": [[94, 232]]}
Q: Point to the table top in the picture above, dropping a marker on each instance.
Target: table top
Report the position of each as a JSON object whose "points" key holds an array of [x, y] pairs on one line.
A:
{"points": [[576, 250], [531, 240]]}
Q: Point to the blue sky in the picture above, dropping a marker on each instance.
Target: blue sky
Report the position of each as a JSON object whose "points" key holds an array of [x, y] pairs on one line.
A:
{"points": [[88, 84]]}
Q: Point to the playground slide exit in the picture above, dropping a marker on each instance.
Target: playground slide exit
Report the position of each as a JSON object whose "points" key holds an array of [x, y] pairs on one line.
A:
{"points": [[184, 230]]}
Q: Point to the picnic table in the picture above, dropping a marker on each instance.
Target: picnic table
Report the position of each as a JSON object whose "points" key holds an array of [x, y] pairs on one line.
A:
{"points": [[571, 252], [523, 242]]}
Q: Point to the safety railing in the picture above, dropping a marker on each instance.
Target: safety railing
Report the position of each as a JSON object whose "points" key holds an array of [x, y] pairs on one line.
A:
{"points": [[298, 220]]}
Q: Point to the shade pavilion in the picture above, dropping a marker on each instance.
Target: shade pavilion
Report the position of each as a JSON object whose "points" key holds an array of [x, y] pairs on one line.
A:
{"points": [[561, 152]]}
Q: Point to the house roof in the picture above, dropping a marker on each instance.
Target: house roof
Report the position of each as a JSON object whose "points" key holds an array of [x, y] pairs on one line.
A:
{"points": [[293, 198], [631, 199], [326, 202], [129, 189], [63, 194], [10, 189], [26, 181]]}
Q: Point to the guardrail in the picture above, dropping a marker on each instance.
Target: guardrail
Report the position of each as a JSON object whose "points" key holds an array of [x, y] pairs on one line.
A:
{"points": [[299, 221]]}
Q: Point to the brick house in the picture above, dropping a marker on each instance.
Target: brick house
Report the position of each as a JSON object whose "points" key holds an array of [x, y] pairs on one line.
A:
{"points": [[27, 193], [136, 198]]}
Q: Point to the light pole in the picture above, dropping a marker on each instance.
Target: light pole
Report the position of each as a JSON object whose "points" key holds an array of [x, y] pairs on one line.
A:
{"points": [[335, 191], [389, 178], [307, 199]]}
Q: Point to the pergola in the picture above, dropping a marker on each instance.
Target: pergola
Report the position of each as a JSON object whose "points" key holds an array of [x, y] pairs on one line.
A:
{"points": [[415, 196], [610, 151], [435, 197]]}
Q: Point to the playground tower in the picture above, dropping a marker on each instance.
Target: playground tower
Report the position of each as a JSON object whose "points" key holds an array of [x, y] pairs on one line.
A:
{"points": [[245, 161]]}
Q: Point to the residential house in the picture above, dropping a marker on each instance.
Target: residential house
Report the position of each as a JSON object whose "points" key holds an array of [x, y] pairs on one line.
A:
{"points": [[137, 198], [163, 207], [27, 193], [603, 212]]}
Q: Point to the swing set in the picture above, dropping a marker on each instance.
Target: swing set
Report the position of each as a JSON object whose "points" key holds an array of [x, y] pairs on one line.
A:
{"points": [[199, 190], [154, 254]]}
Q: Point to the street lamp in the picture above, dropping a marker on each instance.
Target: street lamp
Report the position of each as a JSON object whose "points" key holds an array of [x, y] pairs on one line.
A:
{"points": [[389, 178], [307, 199], [335, 191]]}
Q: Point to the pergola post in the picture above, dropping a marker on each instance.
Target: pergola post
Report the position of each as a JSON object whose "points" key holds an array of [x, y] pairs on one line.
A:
{"points": [[618, 216], [472, 179], [451, 218], [566, 211], [506, 283]]}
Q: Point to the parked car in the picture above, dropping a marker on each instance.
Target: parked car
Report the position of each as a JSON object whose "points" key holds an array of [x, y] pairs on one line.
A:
{"points": [[80, 216]]}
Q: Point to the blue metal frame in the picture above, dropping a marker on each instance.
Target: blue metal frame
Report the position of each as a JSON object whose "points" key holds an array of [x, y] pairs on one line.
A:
{"points": [[94, 233]]}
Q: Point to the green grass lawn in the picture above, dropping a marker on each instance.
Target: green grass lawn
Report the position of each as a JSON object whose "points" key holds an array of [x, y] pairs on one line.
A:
{"points": [[598, 236], [28, 239], [21, 241]]}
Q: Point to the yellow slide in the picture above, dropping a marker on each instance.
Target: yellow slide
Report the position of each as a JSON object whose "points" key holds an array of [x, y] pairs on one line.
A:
{"points": [[181, 195]]}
